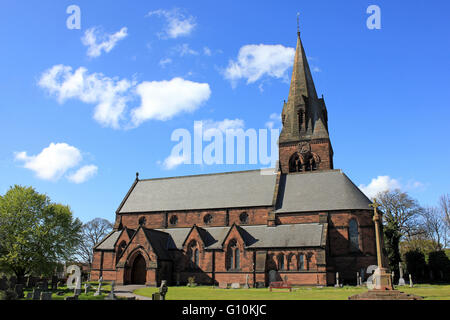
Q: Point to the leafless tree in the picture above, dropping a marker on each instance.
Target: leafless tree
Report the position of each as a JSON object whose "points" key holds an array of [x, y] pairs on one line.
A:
{"points": [[444, 204], [435, 226], [93, 232]]}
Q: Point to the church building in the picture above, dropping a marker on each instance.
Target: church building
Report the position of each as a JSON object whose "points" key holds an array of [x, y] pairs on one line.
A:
{"points": [[302, 224]]}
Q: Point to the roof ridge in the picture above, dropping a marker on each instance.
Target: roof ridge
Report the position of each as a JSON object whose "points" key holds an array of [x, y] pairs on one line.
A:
{"points": [[202, 175]]}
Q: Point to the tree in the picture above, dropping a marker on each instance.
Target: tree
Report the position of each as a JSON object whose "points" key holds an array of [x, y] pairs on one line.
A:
{"points": [[401, 214], [36, 233], [435, 227], [444, 204], [92, 232]]}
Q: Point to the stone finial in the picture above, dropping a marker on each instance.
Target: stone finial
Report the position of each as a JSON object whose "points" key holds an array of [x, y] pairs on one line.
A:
{"points": [[137, 175]]}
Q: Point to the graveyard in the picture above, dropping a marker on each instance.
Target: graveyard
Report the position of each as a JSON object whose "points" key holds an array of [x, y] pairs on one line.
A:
{"points": [[428, 291]]}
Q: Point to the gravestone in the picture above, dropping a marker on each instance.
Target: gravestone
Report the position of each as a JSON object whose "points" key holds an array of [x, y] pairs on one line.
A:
{"points": [[357, 279], [360, 281], [46, 296], [410, 281], [18, 289], [246, 286], [337, 280], [87, 287], [260, 284], [235, 285], [74, 279], [401, 281], [155, 296], [392, 276], [4, 283], [272, 276], [99, 288], [111, 295], [163, 289], [36, 294], [223, 285]]}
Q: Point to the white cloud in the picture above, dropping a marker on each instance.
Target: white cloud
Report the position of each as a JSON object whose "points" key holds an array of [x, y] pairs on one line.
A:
{"points": [[380, 184], [83, 174], [162, 100], [225, 125], [164, 62], [96, 40], [173, 161], [177, 23], [52, 162], [109, 94], [184, 50], [207, 51], [255, 61], [275, 120]]}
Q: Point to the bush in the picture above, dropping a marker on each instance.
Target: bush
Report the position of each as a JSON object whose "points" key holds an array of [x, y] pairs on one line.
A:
{"points": [[439, 264], [416, 264]]}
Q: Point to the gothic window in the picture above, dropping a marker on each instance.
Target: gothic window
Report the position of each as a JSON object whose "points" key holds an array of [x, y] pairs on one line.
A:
{"points": [[120, 249], [173, 220], [193, 254], [288, 262], [353, 235], [207, 219], [196, 257], [301, 262], [142, 221], [243, 217], [233, 257], [294, 163], [281, 262]]}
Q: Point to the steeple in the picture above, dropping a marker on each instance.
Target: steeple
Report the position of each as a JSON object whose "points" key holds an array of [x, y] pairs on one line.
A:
{"points": [[304, 115]]}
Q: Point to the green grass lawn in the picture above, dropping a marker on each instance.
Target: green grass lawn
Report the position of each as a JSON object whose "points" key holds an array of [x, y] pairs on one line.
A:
{"points": [[429, 292]]}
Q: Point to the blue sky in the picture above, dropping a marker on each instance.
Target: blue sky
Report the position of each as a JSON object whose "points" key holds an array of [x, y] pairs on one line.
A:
{"points": [[80, 135]]}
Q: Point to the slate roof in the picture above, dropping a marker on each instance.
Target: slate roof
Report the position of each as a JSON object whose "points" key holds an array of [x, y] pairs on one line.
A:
{"points": [[260, 236], [319, 191], [223, 190], [109, 241]]}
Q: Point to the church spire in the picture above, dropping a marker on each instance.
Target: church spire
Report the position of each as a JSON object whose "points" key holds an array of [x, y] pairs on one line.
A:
{"points": [[304, 115]]}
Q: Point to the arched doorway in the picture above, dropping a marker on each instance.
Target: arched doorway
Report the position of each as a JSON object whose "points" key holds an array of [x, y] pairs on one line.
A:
{"points": [[139, 270]]}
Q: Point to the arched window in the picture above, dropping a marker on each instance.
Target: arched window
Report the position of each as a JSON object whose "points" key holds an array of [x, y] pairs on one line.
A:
{"points": [[353, 235], [142, 221], [294, 163], [193, 254], [288, 262], [173, 220], [120, 249], [237, 259], [301, 262], [196, 257], [243, 218], [281, 261], [207, 219], [233, 256]]}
